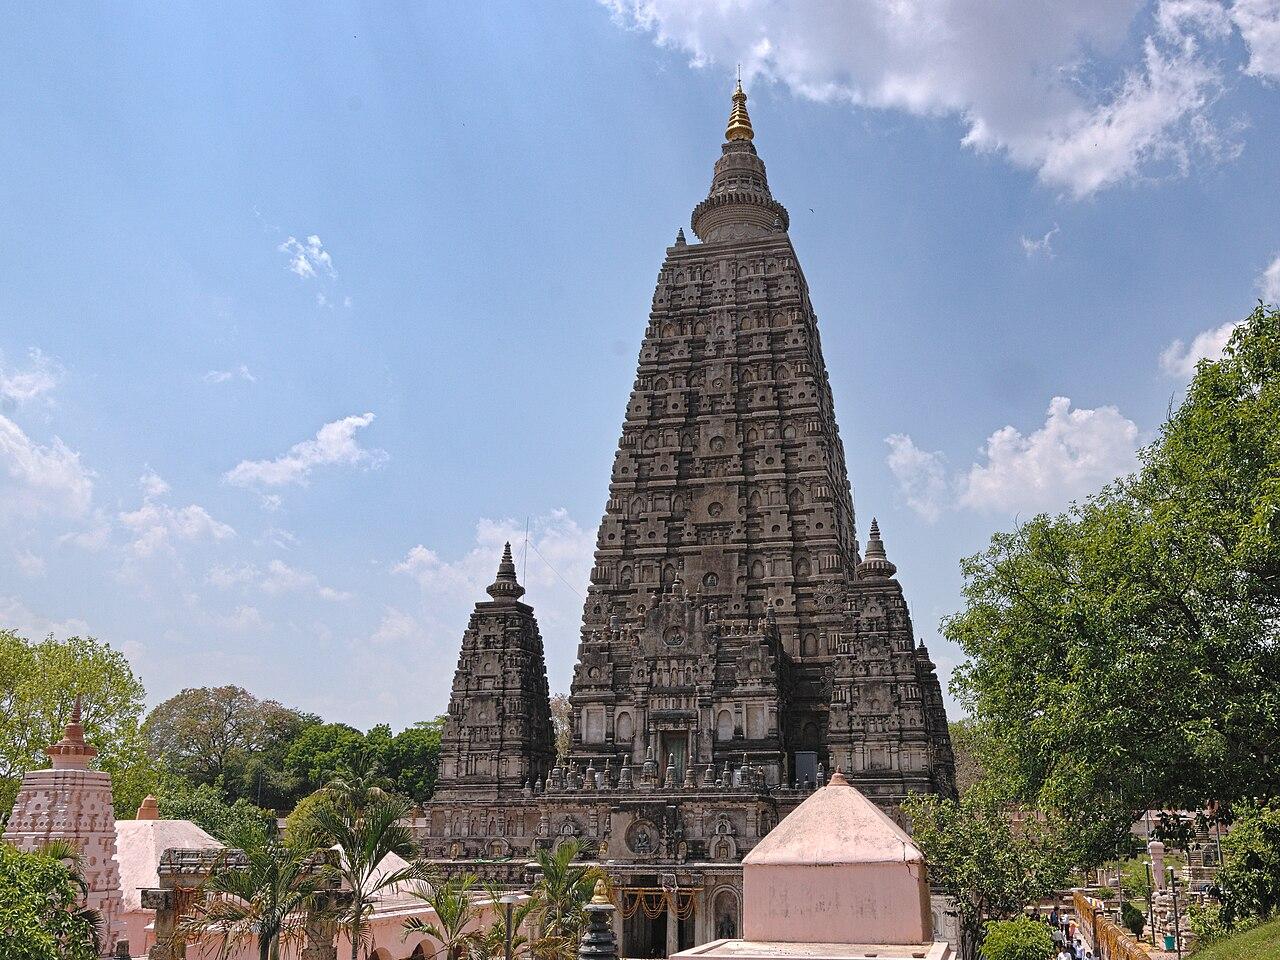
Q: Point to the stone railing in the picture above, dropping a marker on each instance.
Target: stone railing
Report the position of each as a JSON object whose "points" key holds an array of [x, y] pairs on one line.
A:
{"points": [[1107, 939]]}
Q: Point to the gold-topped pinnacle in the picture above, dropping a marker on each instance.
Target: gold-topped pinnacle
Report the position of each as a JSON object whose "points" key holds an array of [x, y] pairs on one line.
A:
{"points": [[601, 892], [739, 122]]}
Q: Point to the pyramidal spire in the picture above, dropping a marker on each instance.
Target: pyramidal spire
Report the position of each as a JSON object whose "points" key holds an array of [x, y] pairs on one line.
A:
{"points": [[506, 586], [875, 564], [72, 752], [739, 127], [739, 205]]}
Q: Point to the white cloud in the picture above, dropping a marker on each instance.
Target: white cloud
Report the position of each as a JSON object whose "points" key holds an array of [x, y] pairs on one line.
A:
{"points": [[1259, 25], [38, 479], [1073, 454], [17, 616], [243, 619], [1042, 248], [36, 380], [396, 629], [334, 443], [153, 485], [1043, 83], [282, 578], [1179, 359], [240, 372], [559, 548], [921, 476], [155, 527], [1269, 282], [29, 563], [279, 578], [232, 574], [308, 258]]}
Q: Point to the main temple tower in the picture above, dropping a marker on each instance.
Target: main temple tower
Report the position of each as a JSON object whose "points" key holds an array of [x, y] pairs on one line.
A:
{"points": [[736, 644], [730, 615]]}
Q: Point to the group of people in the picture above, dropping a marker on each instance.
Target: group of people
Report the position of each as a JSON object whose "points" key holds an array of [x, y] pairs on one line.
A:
{"points": [[1066, 937]]}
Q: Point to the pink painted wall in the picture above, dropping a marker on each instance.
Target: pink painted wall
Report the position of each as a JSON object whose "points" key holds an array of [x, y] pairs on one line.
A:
{"points": [[837, 903]]}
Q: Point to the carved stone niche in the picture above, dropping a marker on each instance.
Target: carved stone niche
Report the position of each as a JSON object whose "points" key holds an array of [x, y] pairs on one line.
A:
{"points": [[674, 626]]}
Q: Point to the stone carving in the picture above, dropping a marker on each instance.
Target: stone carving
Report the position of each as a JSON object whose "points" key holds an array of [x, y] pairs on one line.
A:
{"points": [[736, 645], [497, 734]]}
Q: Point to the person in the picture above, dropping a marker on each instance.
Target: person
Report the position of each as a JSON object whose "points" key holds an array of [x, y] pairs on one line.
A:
{"points": [[1054, 919], [1064, 954]]}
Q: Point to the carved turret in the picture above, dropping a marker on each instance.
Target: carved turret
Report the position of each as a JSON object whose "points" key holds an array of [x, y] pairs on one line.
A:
{"points": [[498, 731]]}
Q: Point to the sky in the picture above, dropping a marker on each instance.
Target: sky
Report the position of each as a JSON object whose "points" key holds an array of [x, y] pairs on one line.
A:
{"points": [[305, 309]]}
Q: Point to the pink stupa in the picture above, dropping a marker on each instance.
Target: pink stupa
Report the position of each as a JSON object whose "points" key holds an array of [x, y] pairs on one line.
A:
{"points": [[73, 803]]}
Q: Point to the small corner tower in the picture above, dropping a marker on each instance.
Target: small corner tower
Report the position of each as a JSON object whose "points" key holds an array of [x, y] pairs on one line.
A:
{"points": [[498, 734], [73, 803]]}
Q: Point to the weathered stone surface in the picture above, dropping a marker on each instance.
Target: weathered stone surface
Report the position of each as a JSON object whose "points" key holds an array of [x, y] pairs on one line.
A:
{"points": [[735, 644], [497, 735]]}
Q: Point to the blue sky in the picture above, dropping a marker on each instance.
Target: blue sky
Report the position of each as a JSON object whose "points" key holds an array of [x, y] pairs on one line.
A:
{"points": [[305, 309]]}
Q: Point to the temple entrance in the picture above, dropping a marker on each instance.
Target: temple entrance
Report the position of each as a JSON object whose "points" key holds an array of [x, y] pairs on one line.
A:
{"points": [[806, 767], [656, 921], [643, 937], [675, 744]]}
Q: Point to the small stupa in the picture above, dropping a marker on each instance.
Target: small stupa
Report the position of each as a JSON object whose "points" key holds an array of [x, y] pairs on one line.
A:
{"points": [[836, 879], [70, 802]]}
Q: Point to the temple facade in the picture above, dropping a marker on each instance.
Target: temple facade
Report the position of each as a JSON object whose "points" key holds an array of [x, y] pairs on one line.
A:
{"points": [[737, 643]]}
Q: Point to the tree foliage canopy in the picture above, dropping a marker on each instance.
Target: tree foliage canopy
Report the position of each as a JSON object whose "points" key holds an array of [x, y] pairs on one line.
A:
{"points": [[1248, 885], [40, 915], [1018, 939], [39, 683], [1124, 655], [226, 735], [992, 866]]}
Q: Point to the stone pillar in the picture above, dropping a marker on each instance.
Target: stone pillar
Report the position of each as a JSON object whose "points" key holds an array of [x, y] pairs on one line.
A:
{"points": [[673, 926], [1156, 850], [599, 942], [167, 945]]}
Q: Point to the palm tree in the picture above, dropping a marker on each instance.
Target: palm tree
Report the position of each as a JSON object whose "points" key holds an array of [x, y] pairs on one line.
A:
{"points": [[70, 856], [358, 782], [366, 836], [456, 916], [493, 941], [267, 897], [562, 890]]}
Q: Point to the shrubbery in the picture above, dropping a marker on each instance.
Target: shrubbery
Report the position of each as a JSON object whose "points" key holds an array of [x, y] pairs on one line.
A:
{"points": [[1020, 939]]}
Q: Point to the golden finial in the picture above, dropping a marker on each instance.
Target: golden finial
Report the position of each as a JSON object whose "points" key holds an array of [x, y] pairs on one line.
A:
{"points": [[601, 894], [739, 123]]}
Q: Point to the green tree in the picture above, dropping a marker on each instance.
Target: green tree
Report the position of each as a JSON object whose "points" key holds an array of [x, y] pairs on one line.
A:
{"points": [[493, 940], [412, 759], [226, 735], [991, 866], [263, 901], [366, 836], [457, 916], [205, 805], [1019, 939], [321, 749], [563, 889], [40, 913], [359, 782], [1122, 655], [970, 772], [562, 725], [40, 681], [1248, 885]]}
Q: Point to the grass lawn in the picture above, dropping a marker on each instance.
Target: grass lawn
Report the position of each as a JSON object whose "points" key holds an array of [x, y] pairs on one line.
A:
{"points": [[1260, 943]]}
